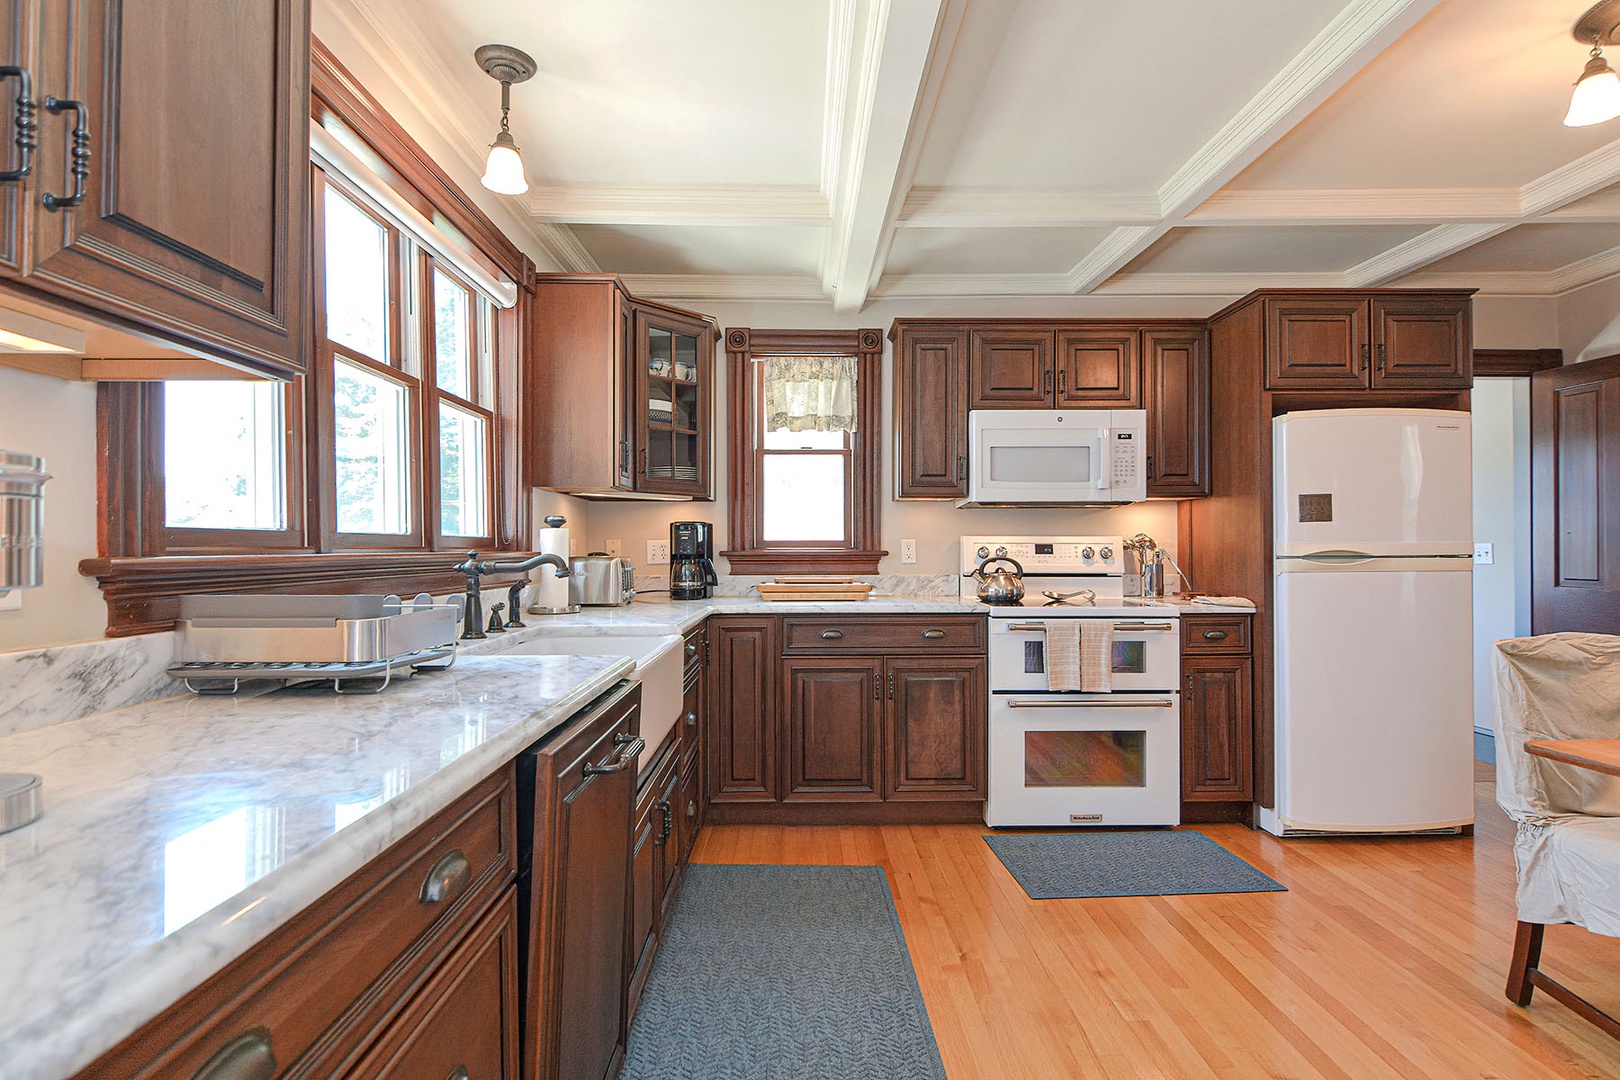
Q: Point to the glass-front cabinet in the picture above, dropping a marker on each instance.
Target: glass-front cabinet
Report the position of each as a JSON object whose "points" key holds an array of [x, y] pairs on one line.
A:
{"points": [[673, 363]]}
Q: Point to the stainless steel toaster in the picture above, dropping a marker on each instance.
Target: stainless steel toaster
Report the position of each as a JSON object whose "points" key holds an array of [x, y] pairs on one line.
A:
{"points": [[601, 580]]}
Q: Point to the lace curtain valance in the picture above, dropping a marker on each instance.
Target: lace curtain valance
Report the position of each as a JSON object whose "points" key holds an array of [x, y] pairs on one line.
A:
{"points": [[810, 393]]}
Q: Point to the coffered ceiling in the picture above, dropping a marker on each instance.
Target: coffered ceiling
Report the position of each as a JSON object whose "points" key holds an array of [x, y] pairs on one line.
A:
{"points": [[846, 150]]}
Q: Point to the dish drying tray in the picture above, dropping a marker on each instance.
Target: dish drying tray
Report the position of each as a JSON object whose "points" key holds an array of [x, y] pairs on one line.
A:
{"points": [[224, 640], [814, 589]]}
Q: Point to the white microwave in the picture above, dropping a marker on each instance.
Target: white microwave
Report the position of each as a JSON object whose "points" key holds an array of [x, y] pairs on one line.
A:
{"points": [[1056, 457]]}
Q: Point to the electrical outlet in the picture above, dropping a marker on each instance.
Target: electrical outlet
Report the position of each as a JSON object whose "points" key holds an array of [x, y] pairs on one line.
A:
{"points": [[908, 551], [611, 545], [657, 552], [11, 599], [1484, 554]]}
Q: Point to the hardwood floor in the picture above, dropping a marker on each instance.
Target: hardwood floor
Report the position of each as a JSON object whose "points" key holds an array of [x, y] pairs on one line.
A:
{"points": [[1386, 958]]}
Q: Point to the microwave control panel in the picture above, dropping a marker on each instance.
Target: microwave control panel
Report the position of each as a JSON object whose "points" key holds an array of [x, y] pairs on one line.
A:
{"points": [[1127, 457]]}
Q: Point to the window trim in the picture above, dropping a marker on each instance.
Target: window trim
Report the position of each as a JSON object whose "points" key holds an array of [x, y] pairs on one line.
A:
{"points": [[749, 553], [142, 575]]}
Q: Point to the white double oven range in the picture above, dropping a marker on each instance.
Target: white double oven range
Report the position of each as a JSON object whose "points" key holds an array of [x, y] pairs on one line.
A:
{"points": [[1108, 756]]}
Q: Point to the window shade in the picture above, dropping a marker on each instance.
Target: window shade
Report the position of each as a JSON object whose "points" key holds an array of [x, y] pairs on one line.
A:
{"points": [[810, 393]]}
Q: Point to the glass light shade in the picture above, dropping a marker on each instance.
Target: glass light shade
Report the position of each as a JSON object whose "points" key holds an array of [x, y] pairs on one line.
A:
{"points": [[1596, 97], [504, 172]]}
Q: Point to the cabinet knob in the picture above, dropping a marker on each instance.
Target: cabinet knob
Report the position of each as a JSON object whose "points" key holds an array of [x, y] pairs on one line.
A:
{"points": [[246, 1057], [459, 1073], [1214, 635], [691, 808], [933, 632], [447, 880], [691, 719], [831, 635], [691, 648]]}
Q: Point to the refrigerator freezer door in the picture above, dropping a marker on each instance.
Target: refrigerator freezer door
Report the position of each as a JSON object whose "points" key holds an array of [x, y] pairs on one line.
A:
{"points": [[1381, 481], [1374, 701]]}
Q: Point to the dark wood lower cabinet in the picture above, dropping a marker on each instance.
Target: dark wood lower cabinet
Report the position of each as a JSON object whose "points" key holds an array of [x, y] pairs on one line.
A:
{"points": [[831, 720], [741, 740], [936, 729], [1217, 710]]}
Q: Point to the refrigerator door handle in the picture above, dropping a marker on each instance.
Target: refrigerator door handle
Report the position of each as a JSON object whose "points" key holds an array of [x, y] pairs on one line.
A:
{"points": [[1337, 555]]}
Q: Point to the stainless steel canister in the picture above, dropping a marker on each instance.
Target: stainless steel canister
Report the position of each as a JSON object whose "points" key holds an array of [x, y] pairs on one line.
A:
{"points": [[22, 520]]}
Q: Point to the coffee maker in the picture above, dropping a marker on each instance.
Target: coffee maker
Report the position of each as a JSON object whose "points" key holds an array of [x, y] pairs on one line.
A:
{"points": [[691, 560]]}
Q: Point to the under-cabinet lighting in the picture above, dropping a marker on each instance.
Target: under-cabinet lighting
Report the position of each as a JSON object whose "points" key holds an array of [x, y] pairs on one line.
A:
{"points": [[21, 333]]}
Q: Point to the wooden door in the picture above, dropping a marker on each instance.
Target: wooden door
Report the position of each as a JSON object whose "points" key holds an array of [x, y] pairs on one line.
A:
{"points": [[672, 376], [935, 728], [1422, 343], [741, 741], [1217, 728], [1575, 498], [1098, 369], [1010, 369], [833, 743], [194, 217], [1175, 378], [17, 164], [1317, 343], [930, 409]]}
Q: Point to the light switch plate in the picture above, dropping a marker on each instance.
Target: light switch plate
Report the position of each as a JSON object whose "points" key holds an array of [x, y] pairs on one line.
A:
{"points": [[908, 551], [611, 545], [657, 552], [1484, 554]]}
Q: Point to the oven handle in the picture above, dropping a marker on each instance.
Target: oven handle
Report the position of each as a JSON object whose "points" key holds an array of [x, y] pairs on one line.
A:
{"points": [[1127, 627], [1107, 703]]}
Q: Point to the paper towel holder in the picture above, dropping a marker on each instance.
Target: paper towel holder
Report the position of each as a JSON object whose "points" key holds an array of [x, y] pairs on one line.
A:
{"points": [[554, 521]]}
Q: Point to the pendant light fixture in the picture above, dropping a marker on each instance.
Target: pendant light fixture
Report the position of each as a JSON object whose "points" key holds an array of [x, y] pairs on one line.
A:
{"points": [[1597, 91], [503, 172]]}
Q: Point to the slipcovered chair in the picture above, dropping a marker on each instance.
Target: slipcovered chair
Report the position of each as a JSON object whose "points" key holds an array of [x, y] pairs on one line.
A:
{"points": [[1567, 849]]}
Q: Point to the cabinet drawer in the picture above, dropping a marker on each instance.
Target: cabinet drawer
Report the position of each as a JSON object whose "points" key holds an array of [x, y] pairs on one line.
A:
{"points": [[316, 991], [464, 1022], [695, 640], [883, 634], [1216, 634]]}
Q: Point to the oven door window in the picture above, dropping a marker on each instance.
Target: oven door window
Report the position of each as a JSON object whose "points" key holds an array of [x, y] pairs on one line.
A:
{"points": [[1085, 759], [1130, 658]]}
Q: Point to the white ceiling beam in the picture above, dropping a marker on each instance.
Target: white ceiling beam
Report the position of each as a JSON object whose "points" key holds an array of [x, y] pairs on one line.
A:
{"points": [[1350, 206], [761, 206], [1362, 30], [725, 287], [894, 83], [1420, 251], [983, 208]]}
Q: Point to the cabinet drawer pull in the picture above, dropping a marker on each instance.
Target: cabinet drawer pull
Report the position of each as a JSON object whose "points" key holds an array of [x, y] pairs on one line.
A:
{"points": [[1383, 354], [891, 686], [1046, 383], [691, 808], [627, 756], [80, 169], [831, 635], [1063, 380], [691, 648], [459, 1073], [1365, 352], [1214, 635], [933, 633], [961, 468], [669, 822], [246, 1057], [27, 126], [691, 719], [448, 879]]}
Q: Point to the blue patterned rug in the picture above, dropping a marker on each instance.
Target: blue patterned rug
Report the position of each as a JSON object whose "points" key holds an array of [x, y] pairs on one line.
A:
{"points": [[1065, 866], [783, 973]]}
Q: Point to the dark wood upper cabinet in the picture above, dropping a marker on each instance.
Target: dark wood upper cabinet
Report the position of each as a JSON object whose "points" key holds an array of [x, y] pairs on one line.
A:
{"points": [[1417, 340], [1317, 344], [190, 215], [930, 409], [1010, 368], [936, 728], [1175, 392], [16, 36], [619, 396], [833, 706], [1098, 369], [1422, 343]]}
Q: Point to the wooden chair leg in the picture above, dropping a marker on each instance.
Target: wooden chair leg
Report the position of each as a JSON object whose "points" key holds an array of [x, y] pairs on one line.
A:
{"points": [[1526, 957]]}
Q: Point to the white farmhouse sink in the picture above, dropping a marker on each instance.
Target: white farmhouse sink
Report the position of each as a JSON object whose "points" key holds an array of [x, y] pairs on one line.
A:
{"points": [[660, 665]]}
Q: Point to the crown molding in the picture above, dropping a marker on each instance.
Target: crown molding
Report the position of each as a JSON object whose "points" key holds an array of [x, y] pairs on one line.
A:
{"points": [[1587, 271], [992, 208], [773, 287], [1350, 206], [1576, 180], [1420, 251], [679, 206], [1233, 284]]}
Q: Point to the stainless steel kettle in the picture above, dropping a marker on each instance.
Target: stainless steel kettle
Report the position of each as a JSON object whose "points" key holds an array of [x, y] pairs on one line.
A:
{"points": [[1001, 586]]}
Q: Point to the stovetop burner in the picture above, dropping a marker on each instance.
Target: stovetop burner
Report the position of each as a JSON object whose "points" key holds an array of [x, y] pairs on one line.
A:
{"points": [[1064, 576]]}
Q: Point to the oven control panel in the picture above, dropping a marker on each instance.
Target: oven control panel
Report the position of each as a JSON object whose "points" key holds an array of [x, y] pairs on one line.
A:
{"points": [[1048, 555]]}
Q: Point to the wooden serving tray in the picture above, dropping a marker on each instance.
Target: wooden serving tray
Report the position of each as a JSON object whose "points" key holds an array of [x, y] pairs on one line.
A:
{"points": [[813, 589]]}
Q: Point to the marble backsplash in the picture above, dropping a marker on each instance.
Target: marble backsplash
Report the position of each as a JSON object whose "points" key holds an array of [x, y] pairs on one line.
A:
{"points": [[882, 584]]}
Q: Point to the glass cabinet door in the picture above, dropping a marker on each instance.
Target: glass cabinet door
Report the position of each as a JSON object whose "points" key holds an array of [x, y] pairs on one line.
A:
{"points": [[673, 378]]}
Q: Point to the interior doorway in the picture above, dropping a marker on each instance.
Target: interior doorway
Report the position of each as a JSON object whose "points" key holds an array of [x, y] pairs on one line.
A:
{"points": [[1501, 424]]}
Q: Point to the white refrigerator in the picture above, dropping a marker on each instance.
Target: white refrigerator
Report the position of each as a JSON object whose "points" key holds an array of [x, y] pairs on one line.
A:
{"points": [[1373, 610]]}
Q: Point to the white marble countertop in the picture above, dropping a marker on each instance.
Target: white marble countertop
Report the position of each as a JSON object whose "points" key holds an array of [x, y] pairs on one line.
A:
{"points": [[180, 832]]}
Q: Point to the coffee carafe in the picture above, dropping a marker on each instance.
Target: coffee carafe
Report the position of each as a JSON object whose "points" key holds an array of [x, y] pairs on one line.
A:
{"points": [[691, 560]]}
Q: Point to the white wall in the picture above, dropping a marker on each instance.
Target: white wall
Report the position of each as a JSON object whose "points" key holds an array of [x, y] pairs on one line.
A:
{"points": [[1501, 409], [1589, 321], [56, 420]]}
